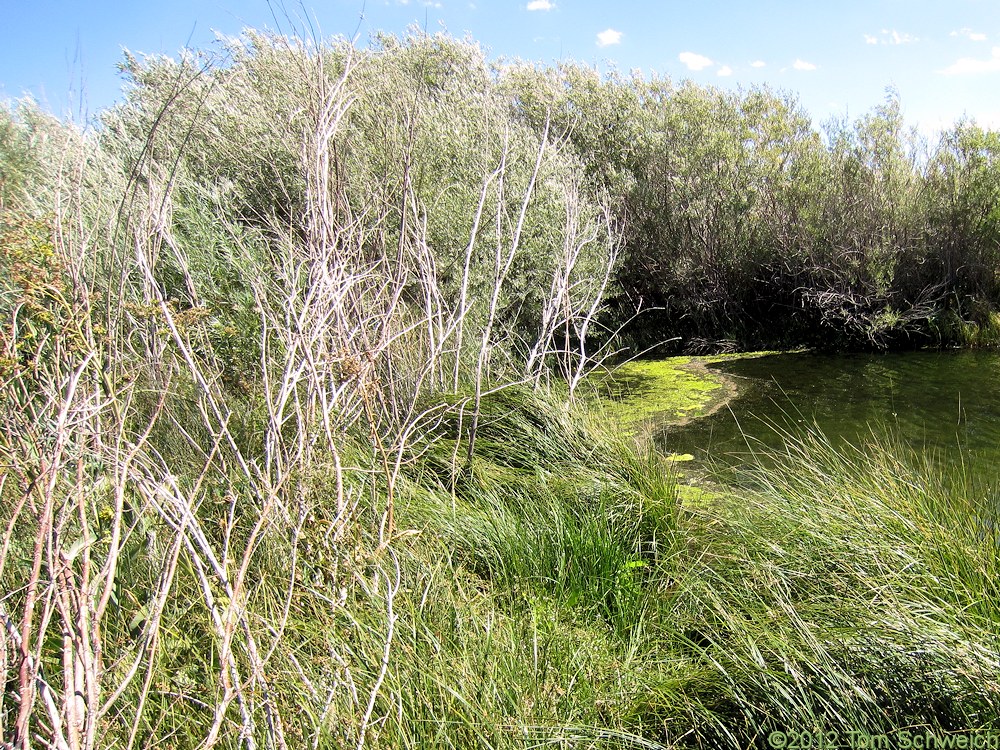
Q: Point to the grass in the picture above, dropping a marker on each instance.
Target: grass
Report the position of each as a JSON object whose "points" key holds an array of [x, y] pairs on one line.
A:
{"points": [[565, 601], [853, 591]]}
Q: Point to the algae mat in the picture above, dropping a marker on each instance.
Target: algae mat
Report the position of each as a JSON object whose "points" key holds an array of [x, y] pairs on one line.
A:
{"points": [[673, 390]]}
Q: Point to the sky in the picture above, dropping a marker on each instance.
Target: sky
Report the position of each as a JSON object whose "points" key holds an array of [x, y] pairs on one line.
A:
{"points": [[839, 57]]}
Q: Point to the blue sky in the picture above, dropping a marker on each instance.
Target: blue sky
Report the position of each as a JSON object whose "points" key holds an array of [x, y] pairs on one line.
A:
{"points": [[838, 56]]}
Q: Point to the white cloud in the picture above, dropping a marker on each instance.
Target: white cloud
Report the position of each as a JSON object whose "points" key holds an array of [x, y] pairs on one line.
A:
{"points": [[694, 61], [609, 37], [541, 5], [891, 36], [803, 65], [968, 33], [758, 64], [725, 70], [968, 65]]}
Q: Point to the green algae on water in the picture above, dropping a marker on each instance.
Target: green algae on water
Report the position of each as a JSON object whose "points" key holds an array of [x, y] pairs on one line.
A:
{"points": [[671, 390]]}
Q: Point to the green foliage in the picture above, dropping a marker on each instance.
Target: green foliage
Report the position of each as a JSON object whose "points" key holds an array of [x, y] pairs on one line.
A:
{"points": [[743, 226], [15, 161], [41, 328], [561, 510]]}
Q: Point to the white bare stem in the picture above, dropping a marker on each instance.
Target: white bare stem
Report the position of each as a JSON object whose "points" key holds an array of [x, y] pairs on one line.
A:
{"points": [[501, 271]]}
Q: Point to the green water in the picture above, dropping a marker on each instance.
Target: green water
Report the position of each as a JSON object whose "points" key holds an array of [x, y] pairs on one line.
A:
{"points": [[944, 403]]}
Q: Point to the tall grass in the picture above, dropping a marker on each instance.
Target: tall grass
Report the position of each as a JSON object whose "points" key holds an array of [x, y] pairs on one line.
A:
{"points": [[853, 589]]}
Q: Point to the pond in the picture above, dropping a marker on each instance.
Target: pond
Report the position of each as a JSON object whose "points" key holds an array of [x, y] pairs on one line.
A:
{"points": [[947, 403]]}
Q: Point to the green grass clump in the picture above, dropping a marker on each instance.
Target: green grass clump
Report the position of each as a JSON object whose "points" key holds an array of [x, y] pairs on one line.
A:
{"points": [[850, 589], [551, 506], [561, 596], [529, 575]]}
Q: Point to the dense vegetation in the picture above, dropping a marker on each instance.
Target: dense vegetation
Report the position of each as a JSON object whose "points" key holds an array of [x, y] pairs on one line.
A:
{"points": [[290, 346], [745, 227]]}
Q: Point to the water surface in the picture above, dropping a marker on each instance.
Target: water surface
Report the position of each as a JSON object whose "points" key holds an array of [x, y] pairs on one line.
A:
{"points": [[946, 403]]}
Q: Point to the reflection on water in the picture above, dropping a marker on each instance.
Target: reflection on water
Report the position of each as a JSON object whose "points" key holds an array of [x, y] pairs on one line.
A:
{"points": [[948, 403]]}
